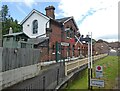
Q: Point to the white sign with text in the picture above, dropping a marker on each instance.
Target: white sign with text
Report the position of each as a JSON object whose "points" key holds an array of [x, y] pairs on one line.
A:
{"points": [[99, 71], [96, 82]]}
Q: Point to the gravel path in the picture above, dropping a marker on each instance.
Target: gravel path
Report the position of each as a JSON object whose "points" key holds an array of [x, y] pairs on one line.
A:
{"points": [[117, 84]]}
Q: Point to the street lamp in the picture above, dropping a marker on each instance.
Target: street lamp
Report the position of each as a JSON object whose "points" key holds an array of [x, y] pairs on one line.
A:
{"points": [[90, 66], [89, 41]]}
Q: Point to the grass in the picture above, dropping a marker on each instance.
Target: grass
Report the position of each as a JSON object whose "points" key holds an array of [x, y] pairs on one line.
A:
{"points": [[110, 73]]}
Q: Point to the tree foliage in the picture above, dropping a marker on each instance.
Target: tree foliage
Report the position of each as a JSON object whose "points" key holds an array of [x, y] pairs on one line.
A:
{"points": [[8, 21]]}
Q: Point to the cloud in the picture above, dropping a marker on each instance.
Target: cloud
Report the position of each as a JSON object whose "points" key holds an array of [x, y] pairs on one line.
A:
{"points": [[21, 10], [29, 3], [111, 36], [97, 16]]}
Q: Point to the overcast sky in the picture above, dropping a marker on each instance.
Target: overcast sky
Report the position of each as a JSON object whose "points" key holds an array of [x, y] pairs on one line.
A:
{"points": [[97, 16]]}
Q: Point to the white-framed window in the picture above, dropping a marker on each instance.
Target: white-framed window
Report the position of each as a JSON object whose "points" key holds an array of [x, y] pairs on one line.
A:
{"points": [[35, 26]]}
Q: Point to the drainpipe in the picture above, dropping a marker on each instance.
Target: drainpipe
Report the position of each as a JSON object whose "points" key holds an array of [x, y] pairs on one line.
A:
{"points": [[48, 39], [62, 49], [1, 36]]}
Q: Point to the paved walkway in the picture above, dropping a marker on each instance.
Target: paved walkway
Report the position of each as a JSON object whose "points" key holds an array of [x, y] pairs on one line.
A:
{"points": [[117, 85]]}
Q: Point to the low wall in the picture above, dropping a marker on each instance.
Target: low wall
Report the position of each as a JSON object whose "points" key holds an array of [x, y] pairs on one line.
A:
{"points": [[18, 64], [48, 78], [13, 58], [11, 77]]}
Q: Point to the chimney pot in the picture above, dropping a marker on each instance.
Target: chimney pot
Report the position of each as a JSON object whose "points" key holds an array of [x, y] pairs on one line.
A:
{"points": [[50, 11]]}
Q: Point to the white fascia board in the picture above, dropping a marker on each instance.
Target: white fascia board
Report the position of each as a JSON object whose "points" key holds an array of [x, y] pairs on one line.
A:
{"points": [[33, 11], [43, 15], [66, 29], [73, 21], [67, 20]]}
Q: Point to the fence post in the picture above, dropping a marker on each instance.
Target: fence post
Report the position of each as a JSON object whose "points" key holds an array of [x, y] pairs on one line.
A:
{"points": [[78, 63], [43, 83], [57, 76], [65, 69], [56, 52]]}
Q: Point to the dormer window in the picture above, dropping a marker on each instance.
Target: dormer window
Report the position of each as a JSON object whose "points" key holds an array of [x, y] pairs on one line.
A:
{"points": [[35, 26]]}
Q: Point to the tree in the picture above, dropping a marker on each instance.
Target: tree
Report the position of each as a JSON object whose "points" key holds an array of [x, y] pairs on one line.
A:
{"points": [[4, 12], [93, 41], [8, 21]]}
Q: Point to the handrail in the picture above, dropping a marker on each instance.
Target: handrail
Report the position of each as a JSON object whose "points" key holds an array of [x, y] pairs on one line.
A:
{"points": [[72, 65]]}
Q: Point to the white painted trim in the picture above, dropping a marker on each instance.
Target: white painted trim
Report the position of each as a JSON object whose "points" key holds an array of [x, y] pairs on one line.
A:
{"points": [[67, 20], [70, 19], [66, 29], [34, 11]]}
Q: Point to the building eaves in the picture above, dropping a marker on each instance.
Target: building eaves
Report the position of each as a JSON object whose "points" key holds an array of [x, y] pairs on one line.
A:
{"points": [[62, 20], [34, 11], [13, 34], [66, 19], [59, 23], [37, 40]]}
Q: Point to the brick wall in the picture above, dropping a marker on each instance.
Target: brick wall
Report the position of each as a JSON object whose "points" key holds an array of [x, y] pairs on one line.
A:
{"points": [[44, 54], [71, 24], [55, 36], [59, 35]]}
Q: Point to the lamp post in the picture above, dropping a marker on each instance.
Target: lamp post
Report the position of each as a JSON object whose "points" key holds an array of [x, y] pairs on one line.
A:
{"points": [[91, 58], [88, 66], [88, 41], [1, 37]]}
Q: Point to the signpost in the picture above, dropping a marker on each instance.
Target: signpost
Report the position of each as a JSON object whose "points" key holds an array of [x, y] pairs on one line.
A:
{"points": [[99, 71], [78, 40], [88, 41], [99, 74], [89, 66], [64, 44], [96, 82]]}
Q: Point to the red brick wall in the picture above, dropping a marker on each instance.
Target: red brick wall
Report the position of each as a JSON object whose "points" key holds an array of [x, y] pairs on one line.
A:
{"points": [[44, 54], [83, 47], [68, 24], [50, 11], [58, 35], [55, 36]]}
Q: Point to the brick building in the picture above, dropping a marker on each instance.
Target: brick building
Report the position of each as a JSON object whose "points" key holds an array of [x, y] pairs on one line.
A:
{"points": [[54, 37], [62, 39], [101, 48]]}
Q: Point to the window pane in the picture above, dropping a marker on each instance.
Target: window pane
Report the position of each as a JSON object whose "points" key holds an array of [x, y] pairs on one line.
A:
{"points": [[35, 26]]}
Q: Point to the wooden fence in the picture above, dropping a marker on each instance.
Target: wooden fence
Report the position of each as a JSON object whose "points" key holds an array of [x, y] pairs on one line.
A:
{"points": [[18, 64], [12, 58], [72, 65]]}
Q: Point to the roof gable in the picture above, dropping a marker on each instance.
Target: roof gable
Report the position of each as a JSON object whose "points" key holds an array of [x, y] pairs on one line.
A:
{"points": [[62, 20], [34, 11], [66, 19]]}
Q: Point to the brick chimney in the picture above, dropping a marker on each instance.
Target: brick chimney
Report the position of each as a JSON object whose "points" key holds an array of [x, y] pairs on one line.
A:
{"points": [[50, 11]]}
